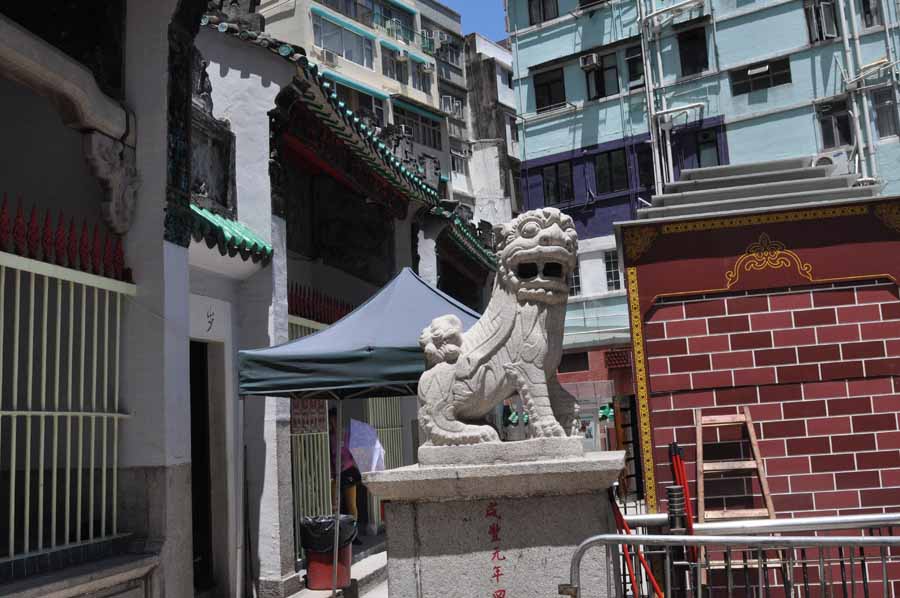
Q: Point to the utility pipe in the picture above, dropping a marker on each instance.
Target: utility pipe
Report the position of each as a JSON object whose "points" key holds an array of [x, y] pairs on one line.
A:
{"points": [[651, 104], [870, 145], [851, 73], [667, 137], [766, 526]]}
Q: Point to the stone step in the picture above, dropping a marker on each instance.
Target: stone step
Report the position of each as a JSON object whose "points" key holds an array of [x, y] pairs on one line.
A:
{"points": [[790, 174], [729, 205], [713, 172], [760, 190]]}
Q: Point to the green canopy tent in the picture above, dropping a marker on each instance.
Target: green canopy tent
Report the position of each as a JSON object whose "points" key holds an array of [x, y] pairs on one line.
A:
{"points": [[373, 349]]}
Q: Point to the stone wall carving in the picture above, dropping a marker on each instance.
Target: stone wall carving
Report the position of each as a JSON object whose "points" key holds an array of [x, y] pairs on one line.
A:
{"points": [[113, 163], [516, 346]]}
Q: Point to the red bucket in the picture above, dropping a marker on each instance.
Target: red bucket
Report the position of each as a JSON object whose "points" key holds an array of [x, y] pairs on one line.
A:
{"points": [[319, 567]]}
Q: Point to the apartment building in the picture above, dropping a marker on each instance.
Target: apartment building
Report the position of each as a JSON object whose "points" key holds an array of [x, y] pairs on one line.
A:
{"points": [[617, 97]]}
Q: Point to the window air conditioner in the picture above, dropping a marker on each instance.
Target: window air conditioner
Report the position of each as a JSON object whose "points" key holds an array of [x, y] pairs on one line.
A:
{"points": [[329, 58], [403, 56], [588, 61], [406, 130]]}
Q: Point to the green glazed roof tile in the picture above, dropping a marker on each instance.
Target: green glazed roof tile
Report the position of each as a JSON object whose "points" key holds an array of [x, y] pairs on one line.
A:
{"points": [[231, 236]]}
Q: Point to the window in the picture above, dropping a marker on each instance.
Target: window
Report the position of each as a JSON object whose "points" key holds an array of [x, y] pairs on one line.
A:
{"points": [[452, 53], [613, 274], [393, 67], [347, 44], [557, 183], [692, 50], [508, 78], [707, 149], [575, 280], [362, 103], [760, 76], [513, 128], [574, 362], [610, 172], [453, 106], [885, 112], [425, 131], [421, 78], [542, 10], [645, 166], [870, 12], [549, 90], [821, 20], [634, 62], [604, 80], [834, 120], [459, 164]]}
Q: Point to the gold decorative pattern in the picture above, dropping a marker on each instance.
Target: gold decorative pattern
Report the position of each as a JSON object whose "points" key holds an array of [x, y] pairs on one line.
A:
{"points": [[889, 214], [755, 219], [638, 240], [767, 254], [641, 383]]}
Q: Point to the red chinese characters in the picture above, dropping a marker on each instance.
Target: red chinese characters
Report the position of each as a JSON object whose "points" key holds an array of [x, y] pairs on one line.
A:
{"points": [[491, 512]]}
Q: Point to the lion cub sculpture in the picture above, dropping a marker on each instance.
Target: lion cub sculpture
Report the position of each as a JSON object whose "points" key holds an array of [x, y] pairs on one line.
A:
{"points": [[514, 348]]}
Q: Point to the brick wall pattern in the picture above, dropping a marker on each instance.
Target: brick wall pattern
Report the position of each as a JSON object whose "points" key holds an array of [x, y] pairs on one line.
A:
{"points": [[819, 368]]}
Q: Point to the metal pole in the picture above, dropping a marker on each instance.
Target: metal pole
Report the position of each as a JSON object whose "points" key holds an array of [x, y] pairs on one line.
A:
{"points": [[336, 500]]}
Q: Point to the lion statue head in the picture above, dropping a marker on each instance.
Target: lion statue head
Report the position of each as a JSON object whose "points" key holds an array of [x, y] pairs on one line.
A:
{"points": [[537, 252]]}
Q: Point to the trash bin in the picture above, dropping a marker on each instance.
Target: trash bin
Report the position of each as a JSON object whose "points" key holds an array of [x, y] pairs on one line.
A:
{"points": [[317, 540]]}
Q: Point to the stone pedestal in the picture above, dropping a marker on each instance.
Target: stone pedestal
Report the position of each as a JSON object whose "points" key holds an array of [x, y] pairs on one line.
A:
{"points": [[504, 529]]}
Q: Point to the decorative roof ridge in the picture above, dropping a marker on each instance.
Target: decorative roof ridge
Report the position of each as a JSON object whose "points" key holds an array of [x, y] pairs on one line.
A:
{"points": [[417, 188], [230, 235], [461, 233]]}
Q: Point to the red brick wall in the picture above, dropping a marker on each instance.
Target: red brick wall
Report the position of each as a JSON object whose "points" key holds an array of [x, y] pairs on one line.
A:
{"points": [[819, 369]]}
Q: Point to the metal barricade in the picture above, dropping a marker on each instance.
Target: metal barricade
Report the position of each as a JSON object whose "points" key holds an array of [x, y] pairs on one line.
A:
{"points": [[862, 561]]}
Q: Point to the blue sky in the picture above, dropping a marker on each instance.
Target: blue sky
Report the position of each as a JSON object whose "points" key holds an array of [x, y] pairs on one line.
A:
{"points": [[482, 16]]}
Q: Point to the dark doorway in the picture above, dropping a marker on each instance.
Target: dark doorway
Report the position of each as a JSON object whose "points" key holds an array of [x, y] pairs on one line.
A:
{"points": [[200, 467]]}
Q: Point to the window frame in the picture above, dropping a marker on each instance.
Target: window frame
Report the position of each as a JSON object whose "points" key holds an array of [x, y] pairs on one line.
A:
{"points": [[558, 184], [462, 160], [426, 131], [879, 106], [870, 14], [320, 24], [820, 14], [604, 160], [688, 40], [611, 258], [575, 280], [538, 13], [596, 77], [548, 80], [744, 82], [391, 66], [826, 111], [513, 128], [421, 79], [634, 82]]}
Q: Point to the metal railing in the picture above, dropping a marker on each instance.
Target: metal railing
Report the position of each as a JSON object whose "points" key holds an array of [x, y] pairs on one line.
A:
{"points": [[383, 414], [862, 562], [60, 335]]}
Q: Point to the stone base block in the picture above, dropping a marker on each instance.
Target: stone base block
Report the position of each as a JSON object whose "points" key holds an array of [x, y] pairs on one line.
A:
{"points": [[496, 530], [502, 452]]}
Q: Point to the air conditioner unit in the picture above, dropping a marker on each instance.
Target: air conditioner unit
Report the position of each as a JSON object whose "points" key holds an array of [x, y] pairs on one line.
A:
{"points": [[329, 58], [403, 56], [406, 130], [428, 67], [444, 37], [588, 61], [838, 160]]}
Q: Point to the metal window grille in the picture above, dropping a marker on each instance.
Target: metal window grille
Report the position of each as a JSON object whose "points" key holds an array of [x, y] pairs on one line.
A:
{"points": [[575, 280], [310, 455], [60, 332], [885, 112]]}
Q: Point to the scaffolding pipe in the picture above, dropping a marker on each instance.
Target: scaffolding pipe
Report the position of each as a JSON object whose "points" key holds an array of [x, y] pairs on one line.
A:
{"points": [[666, 134], [851, 73], [767, 526], [870, 145]]}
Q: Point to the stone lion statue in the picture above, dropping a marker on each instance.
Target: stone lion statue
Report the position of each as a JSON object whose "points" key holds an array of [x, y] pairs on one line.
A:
{"points": [[514, 348]]}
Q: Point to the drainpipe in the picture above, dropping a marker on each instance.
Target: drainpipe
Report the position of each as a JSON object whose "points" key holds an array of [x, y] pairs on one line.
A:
{"points": [[667, 133], [851, 73], [870, 145], [651, 108], [889, 45]]}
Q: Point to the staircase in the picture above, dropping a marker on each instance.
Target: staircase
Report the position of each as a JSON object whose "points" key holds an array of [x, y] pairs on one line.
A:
{"points": [[740, 187]]}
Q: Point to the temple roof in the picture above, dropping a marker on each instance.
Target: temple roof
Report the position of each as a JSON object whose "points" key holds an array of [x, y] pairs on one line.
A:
{"points": [[232, 237]]}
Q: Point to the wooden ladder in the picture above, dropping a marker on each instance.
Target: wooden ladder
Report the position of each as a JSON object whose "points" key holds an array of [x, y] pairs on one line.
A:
{"points": [[755, 463]]}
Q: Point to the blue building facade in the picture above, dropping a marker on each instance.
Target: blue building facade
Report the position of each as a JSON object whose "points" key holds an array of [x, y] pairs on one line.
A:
{"points": [[715, 82]]}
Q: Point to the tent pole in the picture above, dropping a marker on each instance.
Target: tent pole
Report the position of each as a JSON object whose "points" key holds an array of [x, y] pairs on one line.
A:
{"points": [[336, 499]]}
